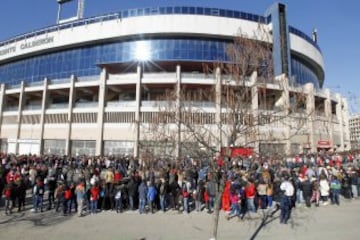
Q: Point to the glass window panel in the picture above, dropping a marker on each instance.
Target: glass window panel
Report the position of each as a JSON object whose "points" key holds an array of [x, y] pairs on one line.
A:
{"points": [[169, 10], [147, 11], [140, 12], [207, 11], [199, 10], [162, 10]]}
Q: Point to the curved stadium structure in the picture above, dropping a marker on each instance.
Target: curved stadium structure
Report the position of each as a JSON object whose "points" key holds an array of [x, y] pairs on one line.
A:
{"points": [[87, 86]]}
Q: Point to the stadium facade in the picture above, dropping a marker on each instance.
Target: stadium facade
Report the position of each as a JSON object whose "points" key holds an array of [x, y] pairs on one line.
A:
{"points": [[82, 87]]}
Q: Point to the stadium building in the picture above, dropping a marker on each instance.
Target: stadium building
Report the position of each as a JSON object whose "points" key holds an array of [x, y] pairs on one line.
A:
{"points": [[354, 126], [86, 86]]}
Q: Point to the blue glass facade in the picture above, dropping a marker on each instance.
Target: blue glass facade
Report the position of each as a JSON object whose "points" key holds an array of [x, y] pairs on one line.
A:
{"points": [[303, 74], [83, 61]]}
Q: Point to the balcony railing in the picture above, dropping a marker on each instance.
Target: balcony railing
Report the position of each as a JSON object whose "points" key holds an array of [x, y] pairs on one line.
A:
{"points": [[162, 104], [60, 80], [123, 77], [155, 104], [86, 104], [199, 104], [58, 106], [13, 86], [11, 109], [88, 78], [116, 104], [35, 84], [32, 107]]}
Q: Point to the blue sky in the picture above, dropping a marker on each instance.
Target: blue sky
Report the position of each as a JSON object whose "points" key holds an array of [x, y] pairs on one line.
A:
{"points": [[336, 21]]}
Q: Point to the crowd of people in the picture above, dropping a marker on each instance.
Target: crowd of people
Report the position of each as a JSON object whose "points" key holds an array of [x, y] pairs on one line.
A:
{"points": [[89, 185]]}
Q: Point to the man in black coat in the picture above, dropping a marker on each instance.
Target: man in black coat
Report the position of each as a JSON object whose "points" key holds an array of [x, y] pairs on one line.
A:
{"points": [[21, 193], [306, 187], [132, 187]]}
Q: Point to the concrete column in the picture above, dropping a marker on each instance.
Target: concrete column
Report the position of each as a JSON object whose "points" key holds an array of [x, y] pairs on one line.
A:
{"points": [[286, 100], [72, 96], [255, 111], [346, 130], [328, 115], [19, 117], [42, 114], [310, 111], [2, 97], [339, 116], [218, 93], [178, 112], [137, 111], [101, 110]]}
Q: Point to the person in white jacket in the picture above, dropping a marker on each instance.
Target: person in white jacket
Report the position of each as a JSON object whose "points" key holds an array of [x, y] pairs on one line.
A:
{"points": [[324, 190]]}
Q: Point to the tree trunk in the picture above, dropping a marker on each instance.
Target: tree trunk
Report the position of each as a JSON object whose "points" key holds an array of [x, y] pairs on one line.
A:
{"points": [[217, 209]]}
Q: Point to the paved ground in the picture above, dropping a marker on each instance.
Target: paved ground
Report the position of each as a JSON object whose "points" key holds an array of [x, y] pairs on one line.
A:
{"points": [[325, 222]]}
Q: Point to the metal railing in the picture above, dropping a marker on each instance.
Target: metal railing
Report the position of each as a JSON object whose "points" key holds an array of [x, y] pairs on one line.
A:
{"points": [[87, 78], [59, 80], [11, 109], [58, 106], [86, 104], [32, 107], [35, 84], [121, 104]]}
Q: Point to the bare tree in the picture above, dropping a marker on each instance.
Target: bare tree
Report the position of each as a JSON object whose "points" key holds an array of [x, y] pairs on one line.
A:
{"points": [[243, 106]]}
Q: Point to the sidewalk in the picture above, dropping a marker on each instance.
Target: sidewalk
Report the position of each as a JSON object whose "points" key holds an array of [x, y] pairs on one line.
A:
{"points": [[325, 222]]}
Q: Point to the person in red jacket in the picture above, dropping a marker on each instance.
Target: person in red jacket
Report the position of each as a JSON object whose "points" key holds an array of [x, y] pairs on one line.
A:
{"points": [[207, 201], [67, 200], [94, 196], [186, 196], [117, 177], [8, 194], [10, 176], [225, 199]]}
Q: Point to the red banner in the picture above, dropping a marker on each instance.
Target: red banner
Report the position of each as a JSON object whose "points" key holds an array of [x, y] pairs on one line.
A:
{"points": [[324, 144], [237, 151]]}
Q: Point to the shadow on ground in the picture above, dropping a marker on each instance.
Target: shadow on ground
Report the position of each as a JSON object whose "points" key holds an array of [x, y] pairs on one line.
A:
{"points": [[44, 219]]}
